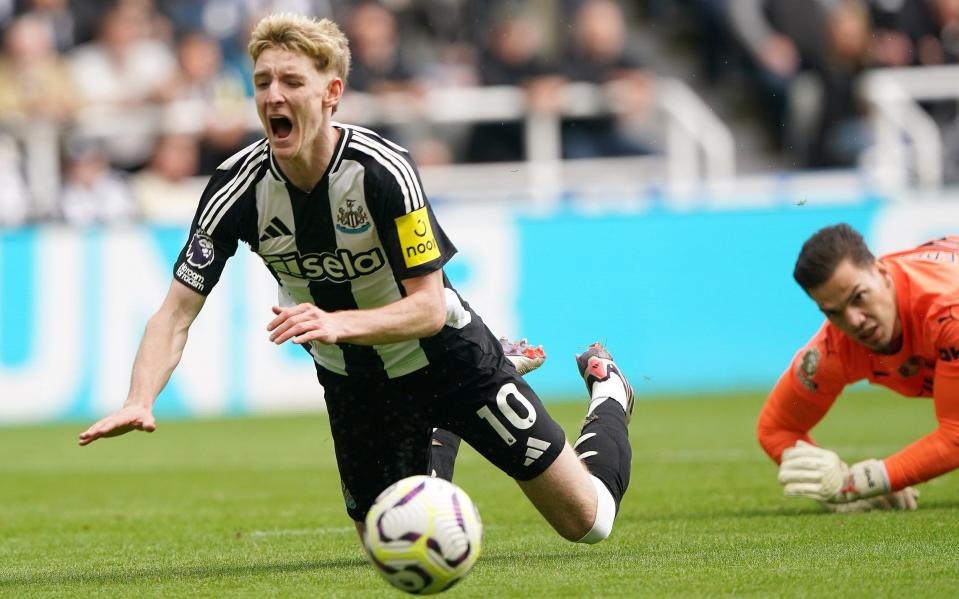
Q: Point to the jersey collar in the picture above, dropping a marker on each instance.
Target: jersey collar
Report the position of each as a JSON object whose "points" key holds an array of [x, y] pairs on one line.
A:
{"points": [[334, 164]]}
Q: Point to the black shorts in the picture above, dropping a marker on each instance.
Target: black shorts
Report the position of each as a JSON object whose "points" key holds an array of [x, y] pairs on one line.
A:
{"points": [[381, 428]]}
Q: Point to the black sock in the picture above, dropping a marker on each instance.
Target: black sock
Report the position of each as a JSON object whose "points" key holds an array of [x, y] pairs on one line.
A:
{"points": [[608, 455], [443, 448]]}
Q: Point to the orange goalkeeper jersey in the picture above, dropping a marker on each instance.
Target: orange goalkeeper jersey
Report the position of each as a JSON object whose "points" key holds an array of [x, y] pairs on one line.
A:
{"points": [[927, 365]]}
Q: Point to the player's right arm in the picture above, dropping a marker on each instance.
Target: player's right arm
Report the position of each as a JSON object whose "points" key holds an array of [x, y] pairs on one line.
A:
{"points": [[160, 351], [803, 395], [801, 398], [223, 217], [787, 417]]}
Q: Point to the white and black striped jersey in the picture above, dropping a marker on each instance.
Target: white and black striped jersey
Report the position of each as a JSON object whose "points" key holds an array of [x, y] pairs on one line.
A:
{"points": [[346, 244]]}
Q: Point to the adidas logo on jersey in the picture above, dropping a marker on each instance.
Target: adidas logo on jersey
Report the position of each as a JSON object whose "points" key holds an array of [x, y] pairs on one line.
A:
{"points": [[276, 228]]}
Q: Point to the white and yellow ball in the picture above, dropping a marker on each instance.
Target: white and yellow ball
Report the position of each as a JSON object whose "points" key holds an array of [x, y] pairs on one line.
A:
{"points": [[423, 534]]}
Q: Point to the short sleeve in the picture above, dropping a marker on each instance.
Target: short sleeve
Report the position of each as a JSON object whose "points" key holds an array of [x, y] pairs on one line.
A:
{"points": [[202, 259], [414, 241], [818, 371]]}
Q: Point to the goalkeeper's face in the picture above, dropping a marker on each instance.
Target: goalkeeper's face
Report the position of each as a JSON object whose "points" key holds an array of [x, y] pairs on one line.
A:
{"points": [[861, 302], [294, 101]]}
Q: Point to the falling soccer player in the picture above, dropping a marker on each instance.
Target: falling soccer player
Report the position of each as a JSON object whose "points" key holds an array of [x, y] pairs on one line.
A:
{"points": [[339, 217]]}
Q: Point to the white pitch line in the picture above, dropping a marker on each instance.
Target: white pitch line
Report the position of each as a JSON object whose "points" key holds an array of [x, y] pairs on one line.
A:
{"points": [[299, 532], [328, 530]]}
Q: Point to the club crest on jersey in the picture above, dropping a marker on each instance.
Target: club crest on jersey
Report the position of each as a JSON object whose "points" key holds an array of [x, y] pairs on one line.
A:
{"points": [[352, 220], [807, 367], [199, 253]]}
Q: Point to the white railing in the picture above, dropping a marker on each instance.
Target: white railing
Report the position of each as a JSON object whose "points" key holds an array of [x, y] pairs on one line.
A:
{"points": [[698, 148], [907, 138]]}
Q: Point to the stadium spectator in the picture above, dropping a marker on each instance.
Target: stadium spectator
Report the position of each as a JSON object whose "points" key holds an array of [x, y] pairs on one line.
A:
{"points": [[780, 38], [208, 99], [893, 321], [397, 351], [714, 41], [842, 132], [59, 17], [379, 64], [34, 81], [120, 77], [514, 55], [601, 52], [93, 192], [940, 45], [898, 25], [164, 190]]}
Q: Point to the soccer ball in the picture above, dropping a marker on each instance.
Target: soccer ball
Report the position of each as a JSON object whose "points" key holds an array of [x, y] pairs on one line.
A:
{"points": [[423, 534]]}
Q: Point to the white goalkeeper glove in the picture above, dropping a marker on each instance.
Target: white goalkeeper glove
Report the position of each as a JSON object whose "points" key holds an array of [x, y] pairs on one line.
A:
{"points": [[817, 473], [904, 499]]}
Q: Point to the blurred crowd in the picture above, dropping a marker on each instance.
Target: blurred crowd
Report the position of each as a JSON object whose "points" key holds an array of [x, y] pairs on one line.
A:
{"points": [[144, 94], [140, 96], [803, 60]]}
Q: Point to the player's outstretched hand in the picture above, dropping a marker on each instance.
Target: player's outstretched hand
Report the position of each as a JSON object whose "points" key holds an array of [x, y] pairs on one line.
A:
{"points": [[817, 473], [902, 500], [301, 323], [810, 471], [124, 420]]}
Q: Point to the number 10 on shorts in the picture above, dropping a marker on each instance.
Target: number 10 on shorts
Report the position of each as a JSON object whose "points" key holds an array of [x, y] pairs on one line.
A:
{"points": [[519, 422]]}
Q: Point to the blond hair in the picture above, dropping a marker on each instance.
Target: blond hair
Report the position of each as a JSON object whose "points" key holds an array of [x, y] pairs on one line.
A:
{"points": [[320, 40]]}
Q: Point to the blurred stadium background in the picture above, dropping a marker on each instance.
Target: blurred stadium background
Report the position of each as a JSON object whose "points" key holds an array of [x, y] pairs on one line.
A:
{"points": [[644, 171]]}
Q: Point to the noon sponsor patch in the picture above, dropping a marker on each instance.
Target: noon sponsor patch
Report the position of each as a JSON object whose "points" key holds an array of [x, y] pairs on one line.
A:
{"points": [[416, 238]]}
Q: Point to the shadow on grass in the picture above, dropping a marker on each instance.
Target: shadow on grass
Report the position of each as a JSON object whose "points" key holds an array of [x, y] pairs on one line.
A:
{"points": [[186, 572], [127, 575], [783, 511]]}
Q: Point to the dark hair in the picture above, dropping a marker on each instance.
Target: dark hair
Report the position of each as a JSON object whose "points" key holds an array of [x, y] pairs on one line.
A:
{"points": [[825, 250]]}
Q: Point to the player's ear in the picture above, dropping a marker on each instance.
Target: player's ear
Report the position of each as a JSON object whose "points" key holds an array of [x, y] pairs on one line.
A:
{"points": [[883, 271], [334, 91]]}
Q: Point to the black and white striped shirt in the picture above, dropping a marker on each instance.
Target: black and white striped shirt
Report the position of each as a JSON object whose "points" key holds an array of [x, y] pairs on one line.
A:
{"points": [[346, 244]]}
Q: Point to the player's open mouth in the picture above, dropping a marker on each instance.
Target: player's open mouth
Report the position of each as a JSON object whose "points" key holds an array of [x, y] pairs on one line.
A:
{"points": [[281, 126]]}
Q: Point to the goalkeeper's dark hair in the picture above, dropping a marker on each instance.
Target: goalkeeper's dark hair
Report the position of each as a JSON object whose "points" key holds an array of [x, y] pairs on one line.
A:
{"points": [[825, 251]]}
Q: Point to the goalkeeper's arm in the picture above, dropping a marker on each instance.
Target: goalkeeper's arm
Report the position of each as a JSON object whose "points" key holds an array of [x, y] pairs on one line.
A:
{"points": [[936, 453], [788, 416]]}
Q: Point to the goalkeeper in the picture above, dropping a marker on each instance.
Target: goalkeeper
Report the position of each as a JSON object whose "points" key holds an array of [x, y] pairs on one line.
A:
{"points": [[893, 321]]}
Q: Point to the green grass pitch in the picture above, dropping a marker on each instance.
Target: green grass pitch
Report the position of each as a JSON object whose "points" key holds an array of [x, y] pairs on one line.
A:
{"points": [[252, 508]]}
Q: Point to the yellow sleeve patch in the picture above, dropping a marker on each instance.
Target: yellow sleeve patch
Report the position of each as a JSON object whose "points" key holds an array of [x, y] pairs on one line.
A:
{"points": [[416, 238]]}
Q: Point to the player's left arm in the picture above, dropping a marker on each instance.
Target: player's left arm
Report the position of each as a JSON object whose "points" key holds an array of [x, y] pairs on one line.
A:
{"points": [[421, 313], [937, 452]]}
